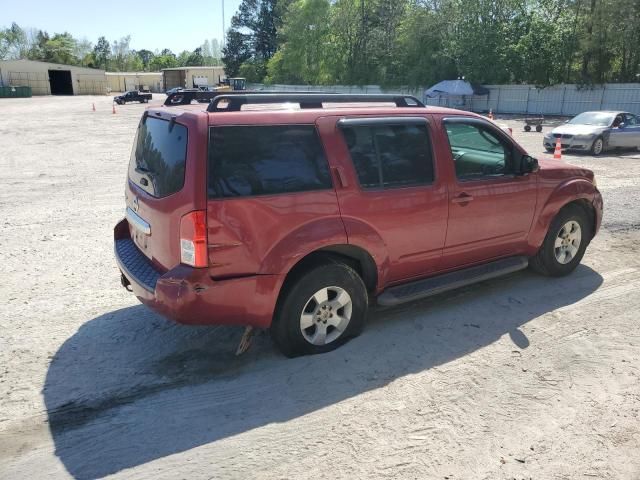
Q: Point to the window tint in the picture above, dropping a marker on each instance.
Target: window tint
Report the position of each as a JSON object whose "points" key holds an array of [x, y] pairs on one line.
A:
{"points": [[477, 152], [631, 120], [158, 157], [390, 156], [265, 160]]}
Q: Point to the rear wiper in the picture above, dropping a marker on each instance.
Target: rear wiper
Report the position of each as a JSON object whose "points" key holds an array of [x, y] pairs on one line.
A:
{"points": [[143, 170]]}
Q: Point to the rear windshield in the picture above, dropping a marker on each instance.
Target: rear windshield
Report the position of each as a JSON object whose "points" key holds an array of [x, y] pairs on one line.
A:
{"points": [[158, 157], [266, 160]]}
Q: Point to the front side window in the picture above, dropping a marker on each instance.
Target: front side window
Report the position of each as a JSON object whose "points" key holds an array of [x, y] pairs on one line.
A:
{"points": [[477, 152], [390, 156], [251, 160]]}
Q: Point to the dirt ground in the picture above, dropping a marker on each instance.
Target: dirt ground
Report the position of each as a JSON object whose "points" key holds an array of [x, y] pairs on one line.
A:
{"points": [[523, 377]]}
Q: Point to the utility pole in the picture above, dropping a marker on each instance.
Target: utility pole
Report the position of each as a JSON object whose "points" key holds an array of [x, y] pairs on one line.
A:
{"points": [[224, 35]]}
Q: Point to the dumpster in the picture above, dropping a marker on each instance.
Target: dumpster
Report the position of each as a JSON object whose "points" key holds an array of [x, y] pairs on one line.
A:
{"points": [[13, 92]]}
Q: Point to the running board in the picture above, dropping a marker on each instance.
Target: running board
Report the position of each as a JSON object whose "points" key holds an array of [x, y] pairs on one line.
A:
{"points": [[427, 287]]}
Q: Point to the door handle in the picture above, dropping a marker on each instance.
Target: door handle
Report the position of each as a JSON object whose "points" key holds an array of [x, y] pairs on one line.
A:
{"points": [[462, 198]]}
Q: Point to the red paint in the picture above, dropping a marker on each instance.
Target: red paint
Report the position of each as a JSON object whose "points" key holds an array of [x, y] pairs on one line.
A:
{"points": [[254, 242]]}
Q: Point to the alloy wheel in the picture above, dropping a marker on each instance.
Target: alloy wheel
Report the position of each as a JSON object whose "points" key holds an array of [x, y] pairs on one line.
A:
{"points": [[568, 242], [326, 315]]}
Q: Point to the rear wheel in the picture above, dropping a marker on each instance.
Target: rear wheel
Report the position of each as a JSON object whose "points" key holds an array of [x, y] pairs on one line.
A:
{"points": [[597, 146], [538, 128], [564, 244], [527, 128], [320, 310]]}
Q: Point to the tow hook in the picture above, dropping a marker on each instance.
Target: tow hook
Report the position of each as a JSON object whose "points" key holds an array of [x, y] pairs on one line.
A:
{"points": [[125, 282]]}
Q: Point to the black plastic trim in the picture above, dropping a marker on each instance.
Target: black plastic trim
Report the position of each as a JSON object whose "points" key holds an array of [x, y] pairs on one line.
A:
{"points": [[135, 266], [441, 283]]}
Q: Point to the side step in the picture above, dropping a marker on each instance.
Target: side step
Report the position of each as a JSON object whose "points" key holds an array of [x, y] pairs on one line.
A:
{"points": [[448, 281]]}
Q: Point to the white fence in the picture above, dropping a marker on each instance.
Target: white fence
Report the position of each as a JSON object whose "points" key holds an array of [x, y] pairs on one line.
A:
{"points": [[518, 99]]}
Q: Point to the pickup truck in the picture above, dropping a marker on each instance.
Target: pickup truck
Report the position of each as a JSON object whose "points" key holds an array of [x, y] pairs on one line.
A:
{"points": [[132, 96]]}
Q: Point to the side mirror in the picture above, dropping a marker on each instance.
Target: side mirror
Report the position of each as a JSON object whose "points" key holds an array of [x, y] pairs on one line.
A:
{"points": [[622, 125], [528, 164]]}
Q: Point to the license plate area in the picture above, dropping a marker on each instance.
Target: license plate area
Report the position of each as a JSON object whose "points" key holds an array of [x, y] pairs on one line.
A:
{"points": [[140, 232], [141, 240]]}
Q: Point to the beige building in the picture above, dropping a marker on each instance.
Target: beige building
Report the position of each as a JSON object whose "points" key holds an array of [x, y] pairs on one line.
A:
{"points": [[52, 78], [125, 81], [191, 77]]}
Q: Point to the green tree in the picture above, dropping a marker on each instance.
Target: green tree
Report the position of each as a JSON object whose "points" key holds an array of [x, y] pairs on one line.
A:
{"points": [[102, 53], [195, 59], [235, 52], [146, 57], [61, 49]]}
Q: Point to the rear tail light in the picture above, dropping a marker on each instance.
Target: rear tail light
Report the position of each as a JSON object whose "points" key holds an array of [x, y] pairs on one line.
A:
{"points": [[193, 239]]}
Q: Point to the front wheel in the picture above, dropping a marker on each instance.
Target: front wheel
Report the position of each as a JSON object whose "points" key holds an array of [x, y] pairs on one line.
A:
{"points": [[597, 146], [564, 244], [320, 310]]}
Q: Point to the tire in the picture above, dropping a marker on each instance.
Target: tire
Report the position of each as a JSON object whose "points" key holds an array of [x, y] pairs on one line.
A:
{"points": [[597, 147], [550, 260], [304, 297], [527, 128], [538, 128]]}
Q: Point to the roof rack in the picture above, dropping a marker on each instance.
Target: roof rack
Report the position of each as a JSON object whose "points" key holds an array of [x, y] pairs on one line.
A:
{"points": [[235, 101], [186, 96]]}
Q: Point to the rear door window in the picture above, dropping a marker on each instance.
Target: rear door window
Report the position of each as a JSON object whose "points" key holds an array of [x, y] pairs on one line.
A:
{"points": [[159, 156], [392, 155], [265, 160]]}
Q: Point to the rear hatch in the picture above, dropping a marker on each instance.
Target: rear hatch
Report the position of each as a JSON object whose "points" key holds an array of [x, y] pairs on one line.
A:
{"points": [[161, 185]]}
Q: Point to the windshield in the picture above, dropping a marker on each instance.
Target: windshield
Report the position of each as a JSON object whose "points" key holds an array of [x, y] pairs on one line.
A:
{"points": [[600, 119]]}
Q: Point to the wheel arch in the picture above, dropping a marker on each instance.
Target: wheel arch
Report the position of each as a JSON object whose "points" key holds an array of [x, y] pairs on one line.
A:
{"points": [[356, 257], [578, 192]]}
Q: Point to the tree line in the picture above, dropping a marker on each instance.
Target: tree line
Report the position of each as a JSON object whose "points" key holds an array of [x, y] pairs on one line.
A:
{"points": [[117, 56], [420, 42]]}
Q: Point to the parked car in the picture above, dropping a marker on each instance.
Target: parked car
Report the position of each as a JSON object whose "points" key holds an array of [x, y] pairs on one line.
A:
{"points": [[133, 96], [596, 132], [297, 219]]}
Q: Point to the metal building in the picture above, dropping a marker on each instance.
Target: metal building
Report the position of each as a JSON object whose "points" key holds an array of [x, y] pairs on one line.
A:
{"points": [[192, 77], [125, 81], [52, 78]]}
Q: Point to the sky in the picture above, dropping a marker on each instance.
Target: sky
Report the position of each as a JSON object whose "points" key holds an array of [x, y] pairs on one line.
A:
{"points": [[177, 25]]}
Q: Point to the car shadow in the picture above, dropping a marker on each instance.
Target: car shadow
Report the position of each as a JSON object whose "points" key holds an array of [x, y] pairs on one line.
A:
{"points": [[130, 387]]}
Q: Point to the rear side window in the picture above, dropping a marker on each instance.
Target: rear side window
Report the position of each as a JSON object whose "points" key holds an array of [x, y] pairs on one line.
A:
{"points": [[254, 160], [390, 156], [158, 158]]}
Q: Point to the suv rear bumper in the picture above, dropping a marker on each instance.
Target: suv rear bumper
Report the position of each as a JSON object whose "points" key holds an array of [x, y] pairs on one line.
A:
{"points": [[189, 295]]}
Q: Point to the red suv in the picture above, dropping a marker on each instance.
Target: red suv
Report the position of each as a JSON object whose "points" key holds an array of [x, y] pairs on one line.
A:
{"points": [[293, 212]]}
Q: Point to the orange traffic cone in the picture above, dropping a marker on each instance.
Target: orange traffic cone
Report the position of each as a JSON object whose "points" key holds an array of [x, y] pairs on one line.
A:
{"points": [[113, 108], [490, 114], [93, 107], [557, 153]]}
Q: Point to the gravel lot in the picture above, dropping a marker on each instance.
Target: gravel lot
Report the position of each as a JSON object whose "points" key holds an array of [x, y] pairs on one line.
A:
{"points": [[522, 377]]}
